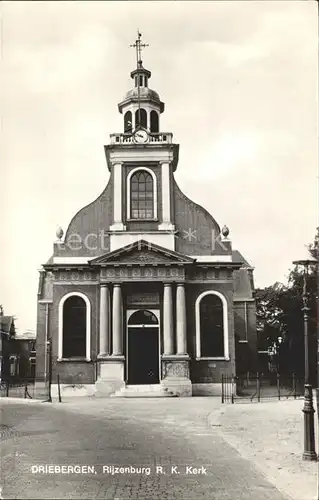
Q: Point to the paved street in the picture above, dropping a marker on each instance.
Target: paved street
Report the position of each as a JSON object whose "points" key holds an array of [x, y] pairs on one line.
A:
{"points": [[172, 433], [276, 446]]}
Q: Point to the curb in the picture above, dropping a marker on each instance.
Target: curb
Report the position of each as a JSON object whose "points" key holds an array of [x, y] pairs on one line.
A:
{"points": [[213, 418], [8, 400]]}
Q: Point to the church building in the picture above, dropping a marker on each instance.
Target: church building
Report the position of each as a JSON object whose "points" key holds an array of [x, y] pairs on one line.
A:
{"points": [[144, 292]]}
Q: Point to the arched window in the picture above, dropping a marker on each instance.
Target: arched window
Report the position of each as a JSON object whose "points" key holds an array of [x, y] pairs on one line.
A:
{"points": [[140, 118], [154, 121], [74, 326], [211, 326], [141, 195], [143, 317], [128, 121]]}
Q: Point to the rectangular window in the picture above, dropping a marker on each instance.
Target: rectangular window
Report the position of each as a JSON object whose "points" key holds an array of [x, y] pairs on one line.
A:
{"points": [[13, 363], [142, 196], [32, 367]]}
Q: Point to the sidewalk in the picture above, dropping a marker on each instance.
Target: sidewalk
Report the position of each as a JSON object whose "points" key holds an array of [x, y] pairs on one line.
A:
{"points": [[270, 434]]}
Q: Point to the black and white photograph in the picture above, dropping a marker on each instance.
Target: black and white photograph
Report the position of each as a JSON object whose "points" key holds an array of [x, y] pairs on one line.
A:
{"points": [[159, 286]]}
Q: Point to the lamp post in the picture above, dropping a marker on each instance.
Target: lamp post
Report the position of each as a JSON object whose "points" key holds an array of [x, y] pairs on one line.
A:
{"points": [[278, 346], [309, 452], [49, 351]]}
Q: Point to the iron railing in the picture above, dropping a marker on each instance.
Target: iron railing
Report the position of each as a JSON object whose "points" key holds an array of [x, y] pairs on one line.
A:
{"points": [[25, 389], [257, 387]]}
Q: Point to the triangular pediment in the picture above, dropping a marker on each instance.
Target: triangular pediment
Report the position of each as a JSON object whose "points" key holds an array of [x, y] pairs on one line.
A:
{"points": [[142, 252]]}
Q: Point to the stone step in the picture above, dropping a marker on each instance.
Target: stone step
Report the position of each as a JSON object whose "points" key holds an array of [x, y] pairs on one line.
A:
{"points": [[143, 388], [151, 394], [143, 391]]}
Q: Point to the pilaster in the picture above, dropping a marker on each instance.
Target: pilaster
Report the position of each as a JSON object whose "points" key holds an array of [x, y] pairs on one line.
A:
{"points": [[175, 367], [181, 342], [166, 198], [117, 321], [117, 198], [104, 349], [111, 368]]}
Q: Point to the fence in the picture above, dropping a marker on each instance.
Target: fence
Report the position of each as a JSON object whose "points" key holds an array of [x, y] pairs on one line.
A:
{"points": [[39, 389], [26, 389], [257, 387]]}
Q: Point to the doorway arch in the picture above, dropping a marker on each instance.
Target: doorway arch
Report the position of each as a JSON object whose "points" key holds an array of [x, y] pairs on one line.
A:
{"points": [[143, 349]]}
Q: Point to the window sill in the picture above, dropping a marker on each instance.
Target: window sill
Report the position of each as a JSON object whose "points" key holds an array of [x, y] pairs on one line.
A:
{"points": [[210, 358], [151, 219], [74, 360]]}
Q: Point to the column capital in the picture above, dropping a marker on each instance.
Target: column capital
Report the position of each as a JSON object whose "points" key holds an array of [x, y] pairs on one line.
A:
{"points": [[117, 284], [167, 284], [164, 162]]}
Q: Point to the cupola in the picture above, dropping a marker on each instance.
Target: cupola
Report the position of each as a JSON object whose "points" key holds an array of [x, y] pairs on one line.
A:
{"points": [[141, 106]]}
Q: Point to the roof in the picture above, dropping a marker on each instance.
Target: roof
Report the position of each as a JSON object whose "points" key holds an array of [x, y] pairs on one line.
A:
{"points": [[6, 324], [50, 260], [145, 93], [238, 257], [243, 280], [142, 251], [26, 336]]}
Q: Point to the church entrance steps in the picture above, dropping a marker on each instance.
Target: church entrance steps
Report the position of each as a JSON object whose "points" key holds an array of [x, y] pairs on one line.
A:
{"points": [[143, 391]]}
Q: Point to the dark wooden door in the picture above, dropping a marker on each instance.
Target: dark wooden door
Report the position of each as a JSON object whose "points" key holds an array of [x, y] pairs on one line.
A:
{"points": [[143, 355]]}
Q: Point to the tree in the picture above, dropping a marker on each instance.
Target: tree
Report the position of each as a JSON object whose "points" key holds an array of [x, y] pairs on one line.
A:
{"points": [[269, 316], [280, 315]]}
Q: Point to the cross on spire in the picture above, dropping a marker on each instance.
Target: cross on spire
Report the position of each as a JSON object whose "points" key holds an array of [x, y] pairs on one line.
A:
{"points": [[139, 45]]}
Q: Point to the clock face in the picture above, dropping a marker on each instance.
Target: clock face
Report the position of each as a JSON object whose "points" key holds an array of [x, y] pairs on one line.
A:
{"points": [[141, 136]]}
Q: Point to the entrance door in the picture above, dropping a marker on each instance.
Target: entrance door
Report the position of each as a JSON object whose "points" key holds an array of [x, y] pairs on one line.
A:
{"points": [[143, 348]]}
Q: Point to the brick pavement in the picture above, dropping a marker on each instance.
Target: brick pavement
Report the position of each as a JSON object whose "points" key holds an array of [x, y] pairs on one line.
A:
{"points": [[271, 435], [145, 432]]}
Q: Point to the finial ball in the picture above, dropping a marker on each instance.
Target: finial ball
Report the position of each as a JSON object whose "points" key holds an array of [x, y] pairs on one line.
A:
{"points": [[59, 233], [225, 231]]}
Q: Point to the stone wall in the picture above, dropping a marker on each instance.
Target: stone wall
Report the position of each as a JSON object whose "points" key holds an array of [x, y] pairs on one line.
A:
{"points": [[209, 370], [201, 371]]}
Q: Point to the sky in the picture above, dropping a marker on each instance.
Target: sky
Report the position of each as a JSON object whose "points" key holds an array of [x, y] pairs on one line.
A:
{"points": [[239, 81]]}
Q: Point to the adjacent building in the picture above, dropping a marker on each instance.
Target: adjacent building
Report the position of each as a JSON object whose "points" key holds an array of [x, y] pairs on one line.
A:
{"points": [[8, 365], [17, 353]]}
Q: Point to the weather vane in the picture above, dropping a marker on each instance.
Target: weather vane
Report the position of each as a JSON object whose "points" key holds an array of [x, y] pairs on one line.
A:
{"points": [[138, 45]]}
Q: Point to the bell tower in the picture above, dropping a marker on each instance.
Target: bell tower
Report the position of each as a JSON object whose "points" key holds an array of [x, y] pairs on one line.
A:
{"points": [[142, 160], [141, 106]]}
